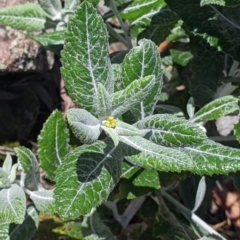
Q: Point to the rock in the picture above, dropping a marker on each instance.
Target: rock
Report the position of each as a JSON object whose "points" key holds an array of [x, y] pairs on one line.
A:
{"points": [[17, 52]]}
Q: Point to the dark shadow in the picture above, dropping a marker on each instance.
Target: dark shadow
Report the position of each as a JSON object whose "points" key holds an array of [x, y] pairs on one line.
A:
{"points": [[90, 165]]}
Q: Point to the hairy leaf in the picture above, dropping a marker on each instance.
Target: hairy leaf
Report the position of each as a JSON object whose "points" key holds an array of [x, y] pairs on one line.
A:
{"points": [[104, 104], [4, 229], [84, 125], [53, 143], [211, 237], [4, 180], [13, 173], [201, 191], [72, 4], [117, 69], [142, 61], [217, 108], [52, 38], [85, 57], [168, 130], [29, 165], [143, 153], [112, 133], [141, 11], [132, 95], [27, 229], [7, 164], [51, 7], [92, 171], [237, 131], [212, 158], [28, 16], [181, 57], [43, 200], [12, 204], [125, 129]]}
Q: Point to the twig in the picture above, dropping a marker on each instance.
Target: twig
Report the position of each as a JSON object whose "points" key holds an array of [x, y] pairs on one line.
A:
{"points": [[115, 11], [5, 150], [225, 18], [130, 211]]}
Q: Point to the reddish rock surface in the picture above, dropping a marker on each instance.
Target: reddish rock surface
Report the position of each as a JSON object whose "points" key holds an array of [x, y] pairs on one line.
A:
{"points": [[17, 52]]}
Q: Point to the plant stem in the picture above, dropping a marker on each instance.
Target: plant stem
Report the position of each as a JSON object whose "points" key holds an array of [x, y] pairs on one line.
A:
{"points": [[225, 18], [186, 212], [116, 35], [125, 30], [130, 211]]}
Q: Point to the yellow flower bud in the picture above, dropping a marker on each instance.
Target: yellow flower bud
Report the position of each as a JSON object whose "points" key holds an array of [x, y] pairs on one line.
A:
{"points": [[111, 122], [110, 118], [107, 124]]}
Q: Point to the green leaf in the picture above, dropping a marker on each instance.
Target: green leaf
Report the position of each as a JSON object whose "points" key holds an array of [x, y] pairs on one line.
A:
{"points": [[218, 22], [4, 228], [181, 57], [142, 61], [43, 200], [53, 143], [7, 164], [141, 11], [211, 237], [104, 104], [13, 173], [92, 171], [29, 165], [132, 95], [201, 191], [93, 228], [117, 69], [47, 39], [85, 57], [237, 131], [72, 4], [4, 180], [137, 182], [217, 108], [143, 153], [213, 158], [190, 107], [51, 7], [168, 130], [12, 204], [125, 129], [28, 16], [227, 3], [165, 20], [27, 229], [84, 125], [112, 133]]}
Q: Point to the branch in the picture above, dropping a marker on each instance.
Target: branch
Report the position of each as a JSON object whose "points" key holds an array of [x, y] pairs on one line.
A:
{"points": [[125, 30]]}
